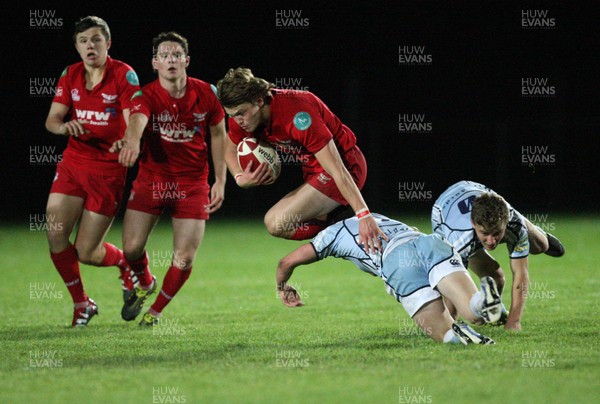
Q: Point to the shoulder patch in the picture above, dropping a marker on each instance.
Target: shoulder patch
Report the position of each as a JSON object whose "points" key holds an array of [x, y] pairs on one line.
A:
{"points": [[302, 120], [132, 78], [138, 93], [64, 72], [214, 88]]}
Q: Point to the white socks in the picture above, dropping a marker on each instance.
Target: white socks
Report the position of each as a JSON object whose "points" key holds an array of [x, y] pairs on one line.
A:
{"points": [[450, 338], [476, 303]]}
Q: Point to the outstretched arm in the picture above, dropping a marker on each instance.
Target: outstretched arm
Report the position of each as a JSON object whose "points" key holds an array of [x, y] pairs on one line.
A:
{"points": [[520, 288], [129, 146], [369, 232], [304, 254]]}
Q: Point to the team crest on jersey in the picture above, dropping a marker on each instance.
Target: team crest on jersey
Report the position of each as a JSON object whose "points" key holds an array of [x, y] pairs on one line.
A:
{"points": [[302, 120], [199, 117], [109, 99], [75, 94], [132, 78]]}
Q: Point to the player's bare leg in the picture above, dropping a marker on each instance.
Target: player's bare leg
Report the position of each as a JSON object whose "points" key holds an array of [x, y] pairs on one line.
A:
{"points": [[538, 242], [187, 237], [483, 264], [290, 217], [137, 227], [458, 288], [90, 236], [434, 320], [475, 306], [451, 308], [62, 213]]}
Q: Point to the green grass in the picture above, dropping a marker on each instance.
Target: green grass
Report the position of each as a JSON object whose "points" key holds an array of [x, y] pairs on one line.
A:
{"points": [[227, 338]]}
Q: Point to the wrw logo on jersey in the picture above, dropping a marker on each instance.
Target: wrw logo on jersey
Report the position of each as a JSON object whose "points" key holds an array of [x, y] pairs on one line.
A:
{"points": [[96, 117], [171, 129]]}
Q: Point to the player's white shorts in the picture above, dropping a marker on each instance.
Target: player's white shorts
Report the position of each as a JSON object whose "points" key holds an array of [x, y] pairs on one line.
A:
{"points": [[412, 270]]}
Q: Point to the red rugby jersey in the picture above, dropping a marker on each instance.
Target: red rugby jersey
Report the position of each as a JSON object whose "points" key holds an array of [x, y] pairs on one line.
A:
{"points": [[175, 137], [301, 125], [102, 107]]}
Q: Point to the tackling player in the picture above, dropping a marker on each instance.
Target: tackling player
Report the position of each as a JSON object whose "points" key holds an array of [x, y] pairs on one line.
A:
{"points": [[89, 181], [417, 269], [334, 168], [178, 113], [474, 219]]}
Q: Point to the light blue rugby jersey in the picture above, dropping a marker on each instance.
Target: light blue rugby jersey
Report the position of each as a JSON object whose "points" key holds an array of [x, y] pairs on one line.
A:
{"points": [[341, 241], [451, 218]]}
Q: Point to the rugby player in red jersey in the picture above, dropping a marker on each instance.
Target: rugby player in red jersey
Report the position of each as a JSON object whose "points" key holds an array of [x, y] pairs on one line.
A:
{"points": [[89, 181], [178, 112], [333, 166]]}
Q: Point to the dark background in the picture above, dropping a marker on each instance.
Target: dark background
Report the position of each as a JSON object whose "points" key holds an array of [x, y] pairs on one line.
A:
{"points": [[348, 55]]}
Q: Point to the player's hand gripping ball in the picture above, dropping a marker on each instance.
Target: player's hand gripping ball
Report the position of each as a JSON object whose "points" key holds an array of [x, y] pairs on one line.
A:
{"points": [[258, 151]]}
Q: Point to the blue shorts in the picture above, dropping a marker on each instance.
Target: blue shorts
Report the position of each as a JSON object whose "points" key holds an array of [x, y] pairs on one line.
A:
{"points": [[412, 270]]}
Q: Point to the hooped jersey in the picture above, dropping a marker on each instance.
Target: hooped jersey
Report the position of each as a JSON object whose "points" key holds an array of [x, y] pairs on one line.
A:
{"points": [[101, 109], [451, 218], [341, 241]]}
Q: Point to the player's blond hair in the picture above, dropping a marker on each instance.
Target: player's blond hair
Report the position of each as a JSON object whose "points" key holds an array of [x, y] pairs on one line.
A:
{"points": [[240, 86], [490, 211]]}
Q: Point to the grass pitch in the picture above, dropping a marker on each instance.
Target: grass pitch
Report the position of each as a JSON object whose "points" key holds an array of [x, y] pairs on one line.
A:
{"points": [[226, 337]]}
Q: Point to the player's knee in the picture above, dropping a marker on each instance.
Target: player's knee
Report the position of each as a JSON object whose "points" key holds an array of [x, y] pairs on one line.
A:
{"points": [[183, 260], [132, 250], [538, 245], [85, 254], [276, 226], [57, 231]]}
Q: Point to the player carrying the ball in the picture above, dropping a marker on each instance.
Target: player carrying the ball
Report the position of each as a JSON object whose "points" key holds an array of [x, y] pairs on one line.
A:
{"points": [[89, 181], [333, 166], [177, 112], [475, 219], [417, 270]]}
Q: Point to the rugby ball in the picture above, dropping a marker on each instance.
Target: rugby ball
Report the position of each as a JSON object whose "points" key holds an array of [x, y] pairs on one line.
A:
{"points": [[258, 151]]}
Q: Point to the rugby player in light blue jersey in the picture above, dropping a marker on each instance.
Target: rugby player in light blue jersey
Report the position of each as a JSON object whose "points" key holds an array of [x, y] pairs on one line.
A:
{"points": [[474, 219], [417, 270]]}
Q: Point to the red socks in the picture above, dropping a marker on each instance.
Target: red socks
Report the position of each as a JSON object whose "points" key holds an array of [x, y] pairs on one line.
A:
{"points": [[114, 257], [140, 268], [174, 280], [67, 266], [308, 229]]}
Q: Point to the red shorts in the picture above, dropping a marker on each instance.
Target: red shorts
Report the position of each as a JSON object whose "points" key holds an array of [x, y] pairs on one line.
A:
{"points": [[101, 193], [183, 198], [323, 182]]}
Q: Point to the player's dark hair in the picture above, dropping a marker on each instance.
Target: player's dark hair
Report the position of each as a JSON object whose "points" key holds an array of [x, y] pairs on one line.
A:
{"points": [[490, 211], [169, 37], [91, 21], [240, 86]]}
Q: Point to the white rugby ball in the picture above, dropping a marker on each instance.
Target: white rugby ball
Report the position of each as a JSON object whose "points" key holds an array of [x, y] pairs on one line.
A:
{"points": [[258, 151]]}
